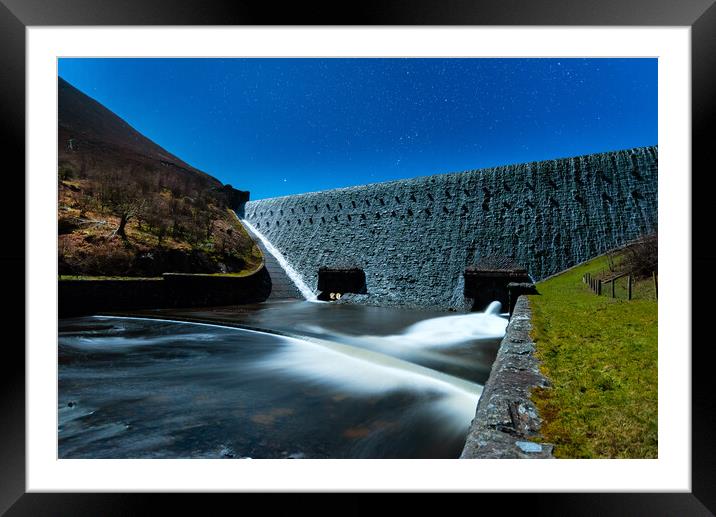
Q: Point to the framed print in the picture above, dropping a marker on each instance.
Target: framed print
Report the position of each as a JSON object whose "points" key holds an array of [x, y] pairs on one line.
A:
{"points": [[440, 198]]}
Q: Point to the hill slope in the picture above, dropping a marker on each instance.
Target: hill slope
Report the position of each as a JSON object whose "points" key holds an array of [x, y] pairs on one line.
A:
{"points": [[86, 121], [128, 207]]}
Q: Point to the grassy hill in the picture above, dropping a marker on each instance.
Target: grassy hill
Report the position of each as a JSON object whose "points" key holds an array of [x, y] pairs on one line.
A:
{"points": [[600, 354], [127, 207]]}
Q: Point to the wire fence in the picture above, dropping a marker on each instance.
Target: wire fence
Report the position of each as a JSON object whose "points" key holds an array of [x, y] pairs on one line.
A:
{"points": [[622, 286]]}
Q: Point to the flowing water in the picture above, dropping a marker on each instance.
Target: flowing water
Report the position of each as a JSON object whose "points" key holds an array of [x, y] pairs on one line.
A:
{"points": [[294, 275], [329, 381]]}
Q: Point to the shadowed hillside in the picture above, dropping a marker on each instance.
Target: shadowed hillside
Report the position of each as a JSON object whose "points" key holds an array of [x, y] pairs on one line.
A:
{"points": [[127, 207]]}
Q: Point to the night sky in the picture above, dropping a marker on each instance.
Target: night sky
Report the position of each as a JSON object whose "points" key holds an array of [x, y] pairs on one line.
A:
{"points": [[285, 126]]}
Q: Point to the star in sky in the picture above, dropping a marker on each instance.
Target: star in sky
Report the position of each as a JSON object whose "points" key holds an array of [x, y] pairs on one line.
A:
{"points": [[327, 123]]}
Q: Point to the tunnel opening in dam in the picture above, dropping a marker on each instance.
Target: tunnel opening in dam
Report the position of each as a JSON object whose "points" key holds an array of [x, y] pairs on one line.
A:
{"points": [[333, 283], [495, 279]]}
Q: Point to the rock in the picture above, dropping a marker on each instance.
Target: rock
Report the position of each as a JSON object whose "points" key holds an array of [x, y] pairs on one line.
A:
{"points": [[529, 446]]}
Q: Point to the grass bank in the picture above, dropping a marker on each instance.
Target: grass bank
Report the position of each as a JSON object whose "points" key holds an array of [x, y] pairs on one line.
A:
{"points": [[89, 277], [600, 355], [240, 274]]}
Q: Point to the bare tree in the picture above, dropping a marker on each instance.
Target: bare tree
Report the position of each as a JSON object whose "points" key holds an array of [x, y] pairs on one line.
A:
{"points": [[125, 201], [128, 210]]}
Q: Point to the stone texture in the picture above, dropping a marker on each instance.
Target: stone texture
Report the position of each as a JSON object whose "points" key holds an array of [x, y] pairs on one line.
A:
{"points": [[506, 419], [281, 286], [173, 290], [414, 238]]}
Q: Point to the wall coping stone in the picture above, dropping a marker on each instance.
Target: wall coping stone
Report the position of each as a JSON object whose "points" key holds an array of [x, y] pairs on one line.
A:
{"points": [[506, 419]]}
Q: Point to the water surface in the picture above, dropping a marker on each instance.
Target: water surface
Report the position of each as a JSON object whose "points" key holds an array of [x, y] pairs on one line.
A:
{"points": [[348, 382]]}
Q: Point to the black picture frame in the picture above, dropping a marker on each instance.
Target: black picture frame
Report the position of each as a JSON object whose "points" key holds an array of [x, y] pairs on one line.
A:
{"points": [[16, 15]]}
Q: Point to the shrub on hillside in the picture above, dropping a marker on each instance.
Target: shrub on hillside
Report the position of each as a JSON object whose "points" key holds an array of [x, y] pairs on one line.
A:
{"points": [[641, 257]]}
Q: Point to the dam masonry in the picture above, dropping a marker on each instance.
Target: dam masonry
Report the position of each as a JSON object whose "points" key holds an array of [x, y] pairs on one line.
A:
{"points": [[414, 239]]}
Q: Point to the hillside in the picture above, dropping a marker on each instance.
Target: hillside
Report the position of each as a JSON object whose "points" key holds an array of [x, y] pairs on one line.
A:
{"points": [[601, 356], [128, 207]]}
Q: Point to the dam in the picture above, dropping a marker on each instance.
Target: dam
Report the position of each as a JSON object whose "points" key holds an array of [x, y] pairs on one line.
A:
{"points": [[414, 238]]}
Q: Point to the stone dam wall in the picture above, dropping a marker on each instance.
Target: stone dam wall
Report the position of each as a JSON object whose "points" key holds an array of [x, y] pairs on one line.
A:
{"points": [[414, 238]]}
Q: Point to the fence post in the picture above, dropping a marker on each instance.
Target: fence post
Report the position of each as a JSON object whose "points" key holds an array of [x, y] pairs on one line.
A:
{"points": [[656, 286], [599, 287], [613, 282], [629, 287]]}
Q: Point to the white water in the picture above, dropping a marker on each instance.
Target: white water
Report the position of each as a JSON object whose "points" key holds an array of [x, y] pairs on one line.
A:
{"points": [[493, 308], [346, 368], [448, 331], [440, 332], [367, 356], [360, 371], [294, 275], [458, 295]]}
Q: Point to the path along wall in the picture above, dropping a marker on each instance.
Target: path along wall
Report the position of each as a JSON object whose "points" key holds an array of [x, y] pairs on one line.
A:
{"points": [[414, 238]]}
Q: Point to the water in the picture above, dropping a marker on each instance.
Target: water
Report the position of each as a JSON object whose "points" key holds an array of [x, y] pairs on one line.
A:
{"points": [[457, 299], [347, 382], [294, 275]]}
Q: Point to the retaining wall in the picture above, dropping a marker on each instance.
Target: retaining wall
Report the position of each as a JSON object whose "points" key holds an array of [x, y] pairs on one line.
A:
{"points": [[506, 420], [78, 297]]}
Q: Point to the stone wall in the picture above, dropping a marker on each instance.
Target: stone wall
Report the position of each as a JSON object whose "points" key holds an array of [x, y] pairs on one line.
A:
{"points": [[414, 238], [506, 421], [80, 297]]}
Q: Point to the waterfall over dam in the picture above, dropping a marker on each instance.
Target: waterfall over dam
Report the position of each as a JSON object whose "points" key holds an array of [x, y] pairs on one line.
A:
{"points": [[285, 281], [414, 238]]}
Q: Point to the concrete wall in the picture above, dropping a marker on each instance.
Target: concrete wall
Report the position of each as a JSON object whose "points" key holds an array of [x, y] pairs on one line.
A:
{"points": [[415, 237], [79, 297]]}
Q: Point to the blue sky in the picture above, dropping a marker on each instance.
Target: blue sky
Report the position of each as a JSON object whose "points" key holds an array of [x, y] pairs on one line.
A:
{"points": [[285, 126]]}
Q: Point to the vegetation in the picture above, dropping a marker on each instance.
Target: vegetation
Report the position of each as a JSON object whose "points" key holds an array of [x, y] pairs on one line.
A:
{"points": [[600, 355], [128, 222], [87, 277], [128, 208]]}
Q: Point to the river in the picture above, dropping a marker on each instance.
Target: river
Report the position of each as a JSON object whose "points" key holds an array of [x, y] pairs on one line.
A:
{"points": [[299, 379]]}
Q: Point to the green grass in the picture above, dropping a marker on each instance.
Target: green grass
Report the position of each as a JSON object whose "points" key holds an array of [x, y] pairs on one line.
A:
{"points": [[87, 277], [245, 272], [240, 274], [600, 355]]}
